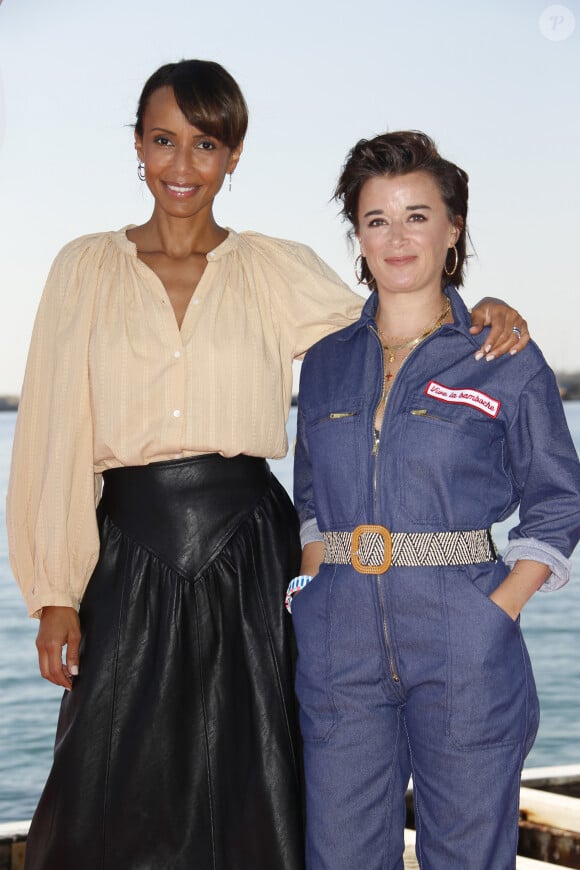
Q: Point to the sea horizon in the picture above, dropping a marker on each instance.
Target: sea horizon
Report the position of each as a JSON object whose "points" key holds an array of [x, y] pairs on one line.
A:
{"points": [[29, 704]]}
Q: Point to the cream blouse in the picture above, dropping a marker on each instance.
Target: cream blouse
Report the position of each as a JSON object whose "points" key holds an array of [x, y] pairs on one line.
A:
{"points": [[111, 380]]}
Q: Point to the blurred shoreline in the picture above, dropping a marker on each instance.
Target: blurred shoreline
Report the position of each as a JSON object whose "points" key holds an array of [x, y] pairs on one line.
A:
{"points": [[568, 382]]}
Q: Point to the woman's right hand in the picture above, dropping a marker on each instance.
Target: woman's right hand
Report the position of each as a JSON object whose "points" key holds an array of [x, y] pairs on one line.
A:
{"points": [[59, 627]]}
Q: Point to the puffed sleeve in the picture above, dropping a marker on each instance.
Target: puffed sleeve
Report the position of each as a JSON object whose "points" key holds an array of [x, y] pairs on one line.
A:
{"points": [[52, 530], [545, 467], [309, 300]]}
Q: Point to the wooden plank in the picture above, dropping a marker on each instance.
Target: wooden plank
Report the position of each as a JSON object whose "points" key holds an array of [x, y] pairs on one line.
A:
{"points": [[532, 864], [411, 862], [18, 851], [549, 844], [13, 845], [12, 854], [561, 779], [536, 777], [409, 856], [553, 810]]}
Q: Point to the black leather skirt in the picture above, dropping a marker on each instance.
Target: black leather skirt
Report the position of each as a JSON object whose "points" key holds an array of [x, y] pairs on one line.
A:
{"points": [[178, 747]]}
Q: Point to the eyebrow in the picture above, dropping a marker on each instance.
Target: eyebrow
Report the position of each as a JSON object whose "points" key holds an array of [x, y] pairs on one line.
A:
{"points": [[173, 133], [407, 208]]}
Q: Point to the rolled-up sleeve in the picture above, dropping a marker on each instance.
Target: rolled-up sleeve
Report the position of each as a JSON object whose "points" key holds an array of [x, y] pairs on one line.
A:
{"points": [[546, 471], [51, 518]]}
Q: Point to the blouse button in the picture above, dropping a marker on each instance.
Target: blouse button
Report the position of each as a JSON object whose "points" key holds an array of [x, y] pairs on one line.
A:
{"points": [[177, 354], [177, 413]]}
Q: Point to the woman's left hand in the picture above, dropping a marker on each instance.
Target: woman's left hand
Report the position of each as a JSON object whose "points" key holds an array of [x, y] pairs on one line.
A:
{"points": [[521, 583], [513, 611], [509, 331]]}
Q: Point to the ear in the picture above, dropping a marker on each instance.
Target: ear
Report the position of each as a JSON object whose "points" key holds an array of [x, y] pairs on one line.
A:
{"points": [[139, 146], [361, 246], [235, 157], [457, 229]]}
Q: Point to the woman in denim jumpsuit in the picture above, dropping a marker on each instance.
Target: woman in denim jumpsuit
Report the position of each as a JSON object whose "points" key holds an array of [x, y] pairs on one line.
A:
{"points": [[420, 668]]}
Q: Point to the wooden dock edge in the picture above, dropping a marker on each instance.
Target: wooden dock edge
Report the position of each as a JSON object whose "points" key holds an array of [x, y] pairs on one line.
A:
{"points": [[564, 778], [549, 826], [13, 845], [411, 862]]}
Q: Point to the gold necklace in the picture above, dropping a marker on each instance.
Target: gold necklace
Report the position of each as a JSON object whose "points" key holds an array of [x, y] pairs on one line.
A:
{"points": [[413, 342]]}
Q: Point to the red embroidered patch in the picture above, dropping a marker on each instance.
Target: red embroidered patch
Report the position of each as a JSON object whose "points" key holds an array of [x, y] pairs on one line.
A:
{"points": [[464, 396]]}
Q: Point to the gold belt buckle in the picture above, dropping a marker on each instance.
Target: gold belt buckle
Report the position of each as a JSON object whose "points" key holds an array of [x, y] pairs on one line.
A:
{"points": [[387, 543]]}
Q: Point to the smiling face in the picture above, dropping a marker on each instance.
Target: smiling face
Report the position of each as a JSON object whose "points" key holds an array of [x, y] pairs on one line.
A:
{"points": [[184, 167], [404, 231]]}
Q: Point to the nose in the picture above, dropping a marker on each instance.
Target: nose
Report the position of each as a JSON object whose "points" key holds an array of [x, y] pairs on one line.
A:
{"points": [[398, 232], [183, 160]]}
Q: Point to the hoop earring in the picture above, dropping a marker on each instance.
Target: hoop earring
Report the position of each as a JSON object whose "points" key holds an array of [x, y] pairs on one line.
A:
{"points": [[359, 278], [141, 170], [455, 264]]}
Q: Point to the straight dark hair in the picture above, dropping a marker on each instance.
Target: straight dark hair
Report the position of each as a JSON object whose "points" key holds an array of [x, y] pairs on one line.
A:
{"points": [[209, 97]]}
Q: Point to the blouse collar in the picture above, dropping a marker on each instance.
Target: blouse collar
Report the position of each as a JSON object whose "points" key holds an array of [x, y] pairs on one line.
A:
{"points": [[229, 243]]}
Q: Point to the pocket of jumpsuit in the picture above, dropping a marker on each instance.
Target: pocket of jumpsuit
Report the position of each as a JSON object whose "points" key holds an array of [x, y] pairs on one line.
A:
{"points": [[312, 627], [491, 695], [335, 434], [437, 450]]}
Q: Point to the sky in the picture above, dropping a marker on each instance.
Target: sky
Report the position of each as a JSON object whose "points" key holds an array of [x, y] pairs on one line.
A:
{"points": [[495, 83]]}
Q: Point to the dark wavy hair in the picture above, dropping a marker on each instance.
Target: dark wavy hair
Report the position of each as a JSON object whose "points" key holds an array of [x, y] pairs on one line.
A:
{"points": [[209, 97], [398, 154]]}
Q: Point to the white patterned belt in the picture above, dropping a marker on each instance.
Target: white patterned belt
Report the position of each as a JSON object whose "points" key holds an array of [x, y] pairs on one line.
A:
{"points": [[372, 549]]}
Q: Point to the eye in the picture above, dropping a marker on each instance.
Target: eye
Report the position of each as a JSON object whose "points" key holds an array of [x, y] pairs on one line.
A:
{"points": [[377, 222], [206, 145], [417, 218], [162, 140]]}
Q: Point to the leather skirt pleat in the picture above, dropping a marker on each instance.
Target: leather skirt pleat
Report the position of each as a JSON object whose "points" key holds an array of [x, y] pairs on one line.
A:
{"points": [[178, 747]]}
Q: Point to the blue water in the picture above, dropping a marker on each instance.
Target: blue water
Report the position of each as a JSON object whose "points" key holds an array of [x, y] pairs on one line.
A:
{"points": [[29, 705]]}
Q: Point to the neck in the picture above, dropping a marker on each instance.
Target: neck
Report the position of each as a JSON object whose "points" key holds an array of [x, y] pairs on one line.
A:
{"points": [[180, 237], [406, 315]]}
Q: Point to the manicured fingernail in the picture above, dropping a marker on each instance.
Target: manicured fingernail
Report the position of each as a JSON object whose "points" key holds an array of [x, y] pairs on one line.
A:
{"points": [[487, 348], [479, 354], [74, 669], [489, 357], [513, 351]]}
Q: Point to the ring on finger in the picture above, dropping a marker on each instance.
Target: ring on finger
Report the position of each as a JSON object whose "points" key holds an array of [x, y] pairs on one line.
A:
{"points": [[517, 331]]}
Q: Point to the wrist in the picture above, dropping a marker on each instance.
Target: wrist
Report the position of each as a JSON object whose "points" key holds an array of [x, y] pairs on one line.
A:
{"points": [[295, 585]]}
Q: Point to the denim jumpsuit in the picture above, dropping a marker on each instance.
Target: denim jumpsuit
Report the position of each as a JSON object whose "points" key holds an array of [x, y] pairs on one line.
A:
{"points": [[416, 671]]}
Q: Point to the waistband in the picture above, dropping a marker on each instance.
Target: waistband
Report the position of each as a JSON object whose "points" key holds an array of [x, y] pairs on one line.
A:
{"points": [[184, 509], [372, 549]]}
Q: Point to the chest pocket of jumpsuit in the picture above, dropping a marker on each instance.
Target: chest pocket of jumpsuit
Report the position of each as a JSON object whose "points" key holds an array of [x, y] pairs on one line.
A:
{"points": [[449, 461], [335, 433]]}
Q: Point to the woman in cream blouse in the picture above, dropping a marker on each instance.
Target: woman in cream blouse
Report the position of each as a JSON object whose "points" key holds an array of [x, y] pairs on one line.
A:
{"points": [[144, 523]]}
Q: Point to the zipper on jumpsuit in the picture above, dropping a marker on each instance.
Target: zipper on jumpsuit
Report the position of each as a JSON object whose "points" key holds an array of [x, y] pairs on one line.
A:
{"points": [[394, 673], [375, 452]]}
